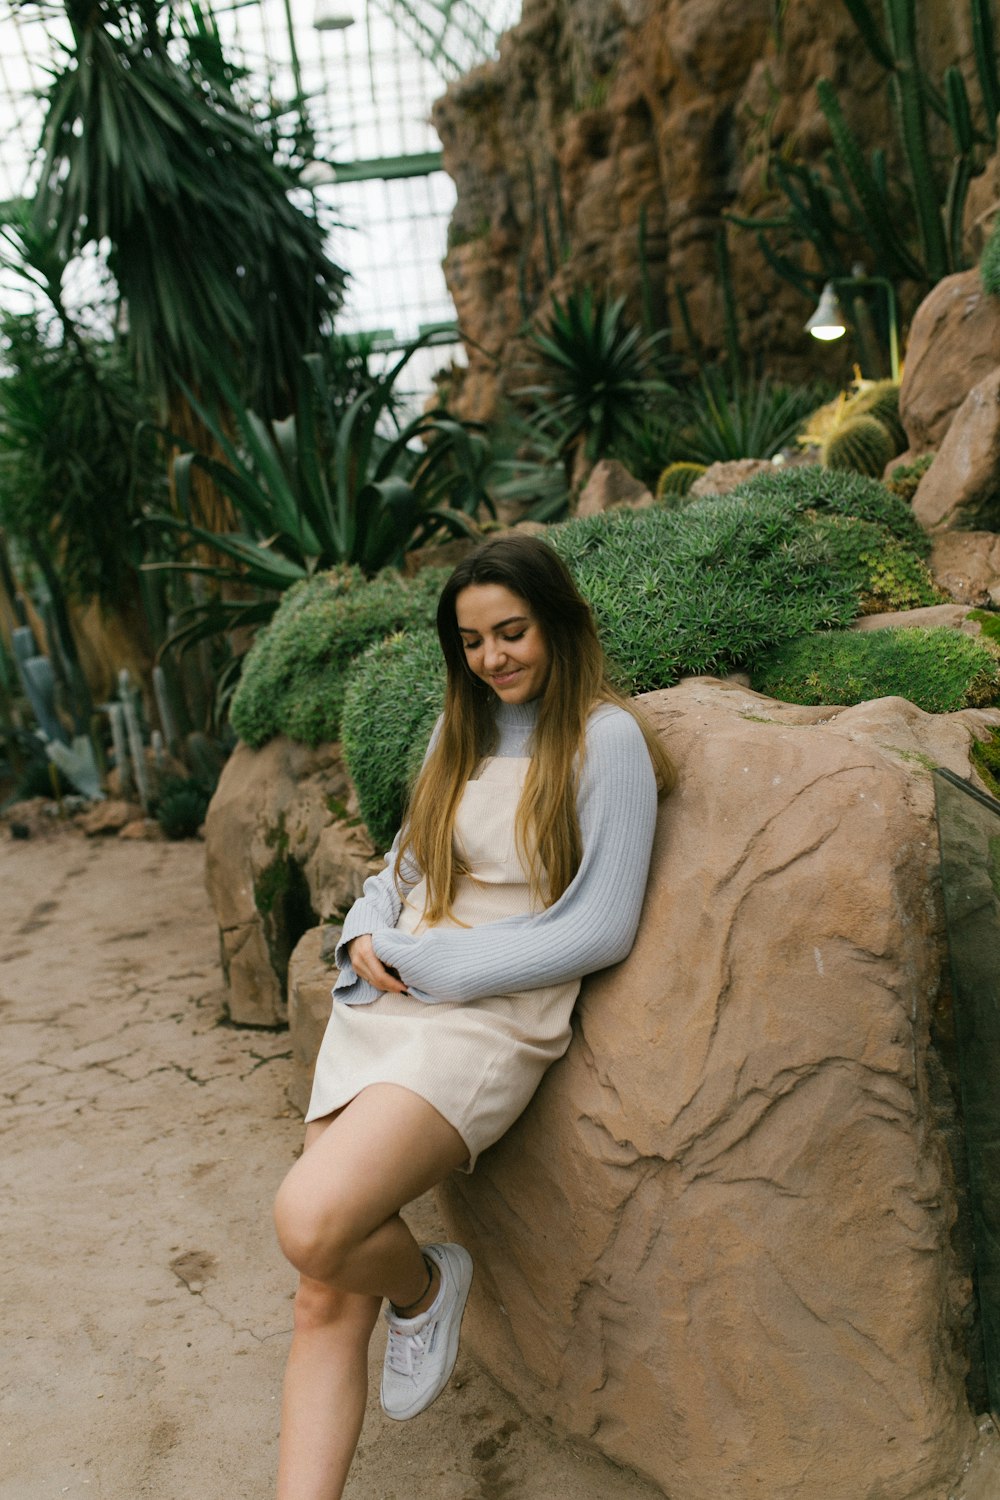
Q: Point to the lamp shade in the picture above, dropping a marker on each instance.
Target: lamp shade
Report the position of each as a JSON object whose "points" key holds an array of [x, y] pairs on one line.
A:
{"points": [[827, 322], [332, 15]]}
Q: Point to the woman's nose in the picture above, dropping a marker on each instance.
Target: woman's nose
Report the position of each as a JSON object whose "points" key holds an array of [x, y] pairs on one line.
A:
{"points": [[493, 653]]}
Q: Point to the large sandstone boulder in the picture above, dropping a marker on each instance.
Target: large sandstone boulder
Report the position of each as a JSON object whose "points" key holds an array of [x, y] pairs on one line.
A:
{"points": [[718, 1243], [284, 851], [962, 485], [953, 344], [966, 564]]}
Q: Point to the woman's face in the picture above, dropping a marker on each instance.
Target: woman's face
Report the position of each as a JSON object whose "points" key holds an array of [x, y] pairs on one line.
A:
{"points": [[503, 641]]}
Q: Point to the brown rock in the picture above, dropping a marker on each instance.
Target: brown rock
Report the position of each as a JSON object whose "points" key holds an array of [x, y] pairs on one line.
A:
{"points": [[954, 344], [284, 849], [717, 1245], [962, 485], [610, 484], [966, 564], [932, 617], [108, 817], [311, 977], [721, 478], [143, 828]]}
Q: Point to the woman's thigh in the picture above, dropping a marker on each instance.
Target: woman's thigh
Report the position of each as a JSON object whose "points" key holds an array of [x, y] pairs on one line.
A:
{"points": [[361, 1165]]}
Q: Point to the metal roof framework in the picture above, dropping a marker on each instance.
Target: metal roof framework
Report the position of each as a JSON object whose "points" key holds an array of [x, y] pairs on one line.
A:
{"points": [[363, 74]]}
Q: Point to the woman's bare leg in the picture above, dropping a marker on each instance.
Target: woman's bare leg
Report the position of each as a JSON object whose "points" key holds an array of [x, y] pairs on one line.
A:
{"points": [[338, 1222]]}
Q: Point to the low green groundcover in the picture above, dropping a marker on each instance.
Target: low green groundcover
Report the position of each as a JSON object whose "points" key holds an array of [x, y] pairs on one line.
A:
{"points": [[705, 589], [394, 695], [939, 670], [294, 676]]}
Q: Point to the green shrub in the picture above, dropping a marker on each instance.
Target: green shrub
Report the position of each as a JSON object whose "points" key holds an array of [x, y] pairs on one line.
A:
{"points": [[181, 806], [890, 573], [293, 680], [701, 589], [395, 692], [989, 261], [705, 588], [939, 670], [811, 487], [905, 478]]}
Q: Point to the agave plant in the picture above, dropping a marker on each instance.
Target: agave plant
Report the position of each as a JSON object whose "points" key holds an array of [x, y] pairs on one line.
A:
{"points": [[733, 415], [316, 489], [600, 373]]}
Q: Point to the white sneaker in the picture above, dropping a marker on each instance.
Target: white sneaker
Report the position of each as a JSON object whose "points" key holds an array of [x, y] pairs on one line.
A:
{"points": [[421, 1351]]}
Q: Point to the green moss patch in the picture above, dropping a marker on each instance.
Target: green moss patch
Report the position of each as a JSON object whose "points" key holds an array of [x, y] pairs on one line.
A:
{"points": [[985, 756], [294, 677], [938, 670]]}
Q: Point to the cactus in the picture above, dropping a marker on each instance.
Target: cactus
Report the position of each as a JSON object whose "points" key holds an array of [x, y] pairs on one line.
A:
{"points": [[862, 444], [989, 262], [880, 400], [833, 210], [675, 481]]}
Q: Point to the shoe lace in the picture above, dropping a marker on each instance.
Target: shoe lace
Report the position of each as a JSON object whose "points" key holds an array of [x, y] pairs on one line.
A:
{"points": [[406, 1350]]}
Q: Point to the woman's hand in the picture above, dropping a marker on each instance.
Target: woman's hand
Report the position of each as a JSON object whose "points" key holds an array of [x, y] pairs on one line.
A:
{"points": [[367, 965]]}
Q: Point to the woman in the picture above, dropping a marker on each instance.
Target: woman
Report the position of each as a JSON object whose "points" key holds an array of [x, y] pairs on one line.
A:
{"points": [[521, 866]]}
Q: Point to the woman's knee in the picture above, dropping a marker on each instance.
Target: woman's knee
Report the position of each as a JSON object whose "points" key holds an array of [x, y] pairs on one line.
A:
{"points": [[314, 1234]]}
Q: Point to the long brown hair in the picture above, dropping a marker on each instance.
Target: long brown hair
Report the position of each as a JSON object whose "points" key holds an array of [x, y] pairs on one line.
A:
{"points": [[548, 831]]}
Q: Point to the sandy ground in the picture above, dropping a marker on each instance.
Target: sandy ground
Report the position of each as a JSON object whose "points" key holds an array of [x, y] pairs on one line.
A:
{"points": [[147, 1309]]}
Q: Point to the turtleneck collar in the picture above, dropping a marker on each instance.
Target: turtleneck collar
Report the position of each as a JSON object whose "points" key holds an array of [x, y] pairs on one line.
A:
{"points": [[517, 715]]}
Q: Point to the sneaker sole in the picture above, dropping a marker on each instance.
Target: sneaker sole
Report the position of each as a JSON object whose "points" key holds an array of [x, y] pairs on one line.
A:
{"points": [[451, 1352]]}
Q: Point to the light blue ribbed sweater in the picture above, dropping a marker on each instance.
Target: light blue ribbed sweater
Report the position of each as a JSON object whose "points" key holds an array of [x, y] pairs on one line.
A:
{"points": [[593, 923]]}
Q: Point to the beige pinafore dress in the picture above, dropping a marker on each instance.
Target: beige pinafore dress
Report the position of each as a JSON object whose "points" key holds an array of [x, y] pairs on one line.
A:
{"points": [[477, 1062]]}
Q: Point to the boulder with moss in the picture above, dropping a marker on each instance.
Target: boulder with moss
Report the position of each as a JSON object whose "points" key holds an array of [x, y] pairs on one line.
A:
{"points": [[285, 849], [719, 1243], [939, 669]]}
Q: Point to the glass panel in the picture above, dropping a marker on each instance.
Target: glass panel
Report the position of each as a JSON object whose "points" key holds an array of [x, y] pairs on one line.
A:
{"points": [[969, 833]]}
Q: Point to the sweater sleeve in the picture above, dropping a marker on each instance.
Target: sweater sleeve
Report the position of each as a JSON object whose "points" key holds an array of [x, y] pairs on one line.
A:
{"points": [[378, 905], [591, 925]]}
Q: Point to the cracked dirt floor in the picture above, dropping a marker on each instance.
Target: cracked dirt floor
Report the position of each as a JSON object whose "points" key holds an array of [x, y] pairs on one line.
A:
{"points": [[146, 1307]]}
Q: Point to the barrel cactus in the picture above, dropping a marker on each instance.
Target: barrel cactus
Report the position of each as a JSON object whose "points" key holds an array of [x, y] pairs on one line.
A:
{"points": [[880, 399], [675, 481], [863, 444]]}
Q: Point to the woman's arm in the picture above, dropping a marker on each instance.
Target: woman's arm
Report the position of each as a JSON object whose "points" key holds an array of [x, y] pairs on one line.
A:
{"points": [[594, 921]]}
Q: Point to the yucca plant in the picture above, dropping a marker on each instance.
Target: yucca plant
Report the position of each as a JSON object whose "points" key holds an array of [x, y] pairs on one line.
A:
{"points": [[152, 147]]}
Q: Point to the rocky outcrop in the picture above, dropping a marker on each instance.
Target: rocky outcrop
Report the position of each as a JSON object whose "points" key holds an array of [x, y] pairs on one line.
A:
{"points": [[966, 564], [953, 345], [717, 1245], [727, 475], [962, 485], [607, 141], [610, 484], [311, 973], [284, 851]]}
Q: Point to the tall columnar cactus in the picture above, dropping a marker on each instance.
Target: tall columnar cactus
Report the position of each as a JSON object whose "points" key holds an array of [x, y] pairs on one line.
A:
{"points": [[850, 202]]}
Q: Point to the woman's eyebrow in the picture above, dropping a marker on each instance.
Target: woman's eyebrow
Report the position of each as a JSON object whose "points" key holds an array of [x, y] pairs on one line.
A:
{"points": [[513, 620]]}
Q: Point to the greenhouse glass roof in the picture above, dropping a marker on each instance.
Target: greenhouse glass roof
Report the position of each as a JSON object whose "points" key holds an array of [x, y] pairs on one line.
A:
{"points": [[366, 72]]}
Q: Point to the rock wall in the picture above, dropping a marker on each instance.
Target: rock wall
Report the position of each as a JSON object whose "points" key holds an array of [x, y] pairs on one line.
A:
{"points": [[597, 113], [284, 850], [718, 1244]]}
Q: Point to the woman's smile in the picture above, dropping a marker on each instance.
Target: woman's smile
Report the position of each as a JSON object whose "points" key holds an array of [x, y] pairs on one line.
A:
{"points": [[503, 642]]}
